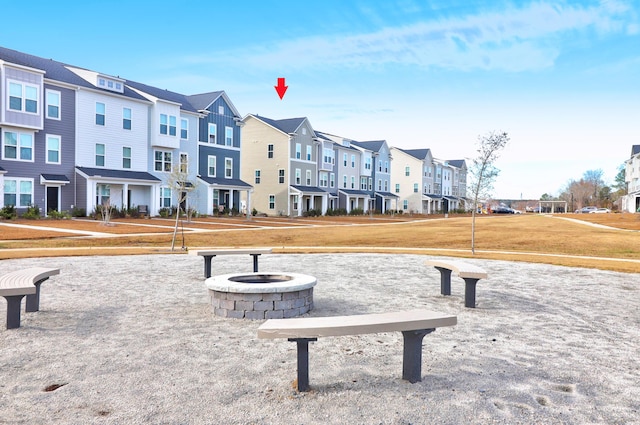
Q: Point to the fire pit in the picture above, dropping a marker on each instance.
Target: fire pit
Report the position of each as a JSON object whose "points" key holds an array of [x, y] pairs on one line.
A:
{"points": [[260, 295]]}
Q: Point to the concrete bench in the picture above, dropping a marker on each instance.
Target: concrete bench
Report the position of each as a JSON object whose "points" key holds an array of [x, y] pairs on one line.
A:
{"points": [[208, 255], [15, 285], [414, 325], [470, 273]]}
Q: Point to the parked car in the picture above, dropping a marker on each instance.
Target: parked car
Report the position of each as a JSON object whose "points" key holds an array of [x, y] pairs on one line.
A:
{"points": [[503, 210], [586, 210], [601, 211]]}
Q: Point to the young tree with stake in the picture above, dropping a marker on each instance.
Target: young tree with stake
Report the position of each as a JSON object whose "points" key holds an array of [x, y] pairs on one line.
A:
{"points": [[483, 173]]}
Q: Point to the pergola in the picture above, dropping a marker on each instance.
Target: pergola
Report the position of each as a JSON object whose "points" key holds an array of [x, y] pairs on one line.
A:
{"points": [[553, 204]]}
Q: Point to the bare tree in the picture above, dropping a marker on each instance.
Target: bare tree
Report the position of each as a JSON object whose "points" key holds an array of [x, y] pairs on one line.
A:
{"points": [[178, 182], [483, 173]]}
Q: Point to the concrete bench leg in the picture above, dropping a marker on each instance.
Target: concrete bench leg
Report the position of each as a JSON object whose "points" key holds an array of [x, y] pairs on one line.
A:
{"points": [[33, 300], [303, 362], [470, 292], [207, 265], [13, 310], [412, 355], [255, 262], [445, 281]]}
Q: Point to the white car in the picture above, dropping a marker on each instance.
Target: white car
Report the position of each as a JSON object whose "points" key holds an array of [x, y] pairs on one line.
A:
{"points": [[601, 211]]}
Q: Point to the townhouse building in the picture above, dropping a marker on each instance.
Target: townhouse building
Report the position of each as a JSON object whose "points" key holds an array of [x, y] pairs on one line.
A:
{"points": [[377, 160], [326, 170], [353, 173], [76, 138], [280, 159], [631, 201], [220, 185], [407, 179]]}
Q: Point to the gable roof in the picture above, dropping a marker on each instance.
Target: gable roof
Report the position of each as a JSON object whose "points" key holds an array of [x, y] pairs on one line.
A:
{"points": [[288, 125], [458, 163], [57, 71], [203, 101], [164, 95], [417, 153], [635, 149], [372, 145]]}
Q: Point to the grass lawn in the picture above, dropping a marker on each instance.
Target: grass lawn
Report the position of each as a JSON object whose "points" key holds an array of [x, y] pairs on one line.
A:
{"points": [[563, 239]]}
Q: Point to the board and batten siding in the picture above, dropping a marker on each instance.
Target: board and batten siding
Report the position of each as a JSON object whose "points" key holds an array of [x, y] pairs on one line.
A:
{"points": [[112, 135]]}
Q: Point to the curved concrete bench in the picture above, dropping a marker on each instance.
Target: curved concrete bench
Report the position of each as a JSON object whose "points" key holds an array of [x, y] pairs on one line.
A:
{"points": [[470, 273], [15, 285], [413, 324]]}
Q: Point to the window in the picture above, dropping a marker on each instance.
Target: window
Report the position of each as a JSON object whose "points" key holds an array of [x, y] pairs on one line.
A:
{"points": [[407, 171], [126, 118], [324, 179], [165, 197], [184, 128], [405, 205], [304, 131], [100, 113], [126, 157], [53, 149], [257, 177], [353, 182], [184, 162], [344, 159], [100, 154], [308, 153], [298, 151], [103, 194], [23, 97], [353, 161], [269, 151], [295, 202], [298, 176], [363, 183], [212, 132], [386, 185], [162, 161], [18, 192], [228, 168], [53, 104], [332, 180], [18, 146], [211, 160], [228, 136], [220, 110], [344, 182], [272, 202], [172, 125], [308, 178], [367, 164], [281, 176], [370, 183], [397, 187], [328, 156], [386, 166], [379, 184], [415, 188]]}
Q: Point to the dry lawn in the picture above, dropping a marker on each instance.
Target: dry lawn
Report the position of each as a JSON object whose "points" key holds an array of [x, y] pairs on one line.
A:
{"points": [[533, 238]]}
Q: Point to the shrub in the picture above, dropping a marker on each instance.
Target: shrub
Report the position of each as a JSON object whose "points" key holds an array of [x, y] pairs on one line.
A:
{"points": [[32, 213], [254, 212], [166, 212], [78, 212], [8, 212], [58, 215], [356, 211]]}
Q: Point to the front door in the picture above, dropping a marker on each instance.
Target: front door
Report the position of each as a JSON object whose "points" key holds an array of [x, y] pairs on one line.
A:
{"points": [[53, 193]]}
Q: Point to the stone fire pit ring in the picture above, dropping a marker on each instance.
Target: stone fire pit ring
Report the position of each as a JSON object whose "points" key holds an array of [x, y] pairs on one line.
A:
{"points": [[261, 295]]}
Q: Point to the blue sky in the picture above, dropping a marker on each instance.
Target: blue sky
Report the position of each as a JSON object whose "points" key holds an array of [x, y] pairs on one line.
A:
{"points": [[562, 78]]}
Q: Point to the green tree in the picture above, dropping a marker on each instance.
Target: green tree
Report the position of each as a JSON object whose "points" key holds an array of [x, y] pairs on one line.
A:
{"points": [[483, 173]]}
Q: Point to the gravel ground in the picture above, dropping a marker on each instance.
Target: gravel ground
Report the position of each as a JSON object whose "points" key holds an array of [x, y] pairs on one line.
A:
{"points": [[133, 340]]}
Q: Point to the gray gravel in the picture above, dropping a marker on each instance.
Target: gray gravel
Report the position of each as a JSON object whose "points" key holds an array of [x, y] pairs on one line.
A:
{"points": [[132, 340]]}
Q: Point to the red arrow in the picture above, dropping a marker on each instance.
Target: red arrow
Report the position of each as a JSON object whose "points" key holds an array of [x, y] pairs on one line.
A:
{"points": [[281, 88]]}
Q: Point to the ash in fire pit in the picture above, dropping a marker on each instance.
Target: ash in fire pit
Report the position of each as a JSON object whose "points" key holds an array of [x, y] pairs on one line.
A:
{"points": [[271, 295]]}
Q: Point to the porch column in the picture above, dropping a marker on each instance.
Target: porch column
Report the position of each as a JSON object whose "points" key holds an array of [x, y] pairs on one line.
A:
{"points": [[249, 204], [230, 206]]}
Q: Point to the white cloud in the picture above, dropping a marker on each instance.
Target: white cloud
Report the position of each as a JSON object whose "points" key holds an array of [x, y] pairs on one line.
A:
{"points": [[511, 40]]}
